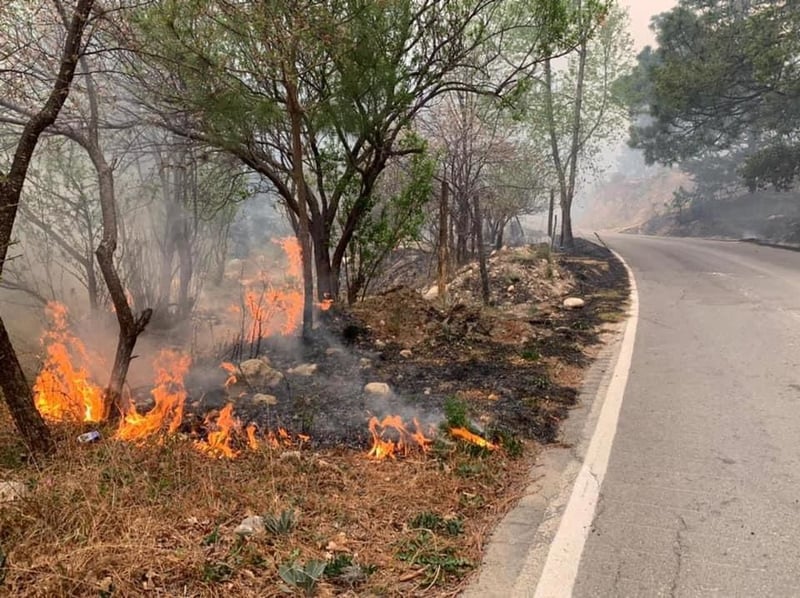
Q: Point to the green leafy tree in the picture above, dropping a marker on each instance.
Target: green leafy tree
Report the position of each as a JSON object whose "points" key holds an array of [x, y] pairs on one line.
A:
{"points": [[724, 81], [316, 96], [580, 107]]}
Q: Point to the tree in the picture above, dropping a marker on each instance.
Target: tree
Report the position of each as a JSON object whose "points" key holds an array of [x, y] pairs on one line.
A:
{"points": [[580, 103], [724, 81], [16, 391], [325, 91]]}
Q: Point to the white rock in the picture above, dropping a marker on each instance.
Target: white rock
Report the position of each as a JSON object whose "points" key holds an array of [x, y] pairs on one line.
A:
{"points": [[265, 399], [251, 526], [11, 490], [406, 353], [304, 369], [432, 293], [365, 362], [574, 303], [379, 344], [259, 374], [510, 289], [378, 389]]}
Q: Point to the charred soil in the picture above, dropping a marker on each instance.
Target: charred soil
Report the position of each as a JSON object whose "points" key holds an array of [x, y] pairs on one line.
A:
{"points": [[126, 519]]}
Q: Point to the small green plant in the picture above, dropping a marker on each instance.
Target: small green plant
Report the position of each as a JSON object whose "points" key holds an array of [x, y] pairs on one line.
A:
{"points": [[422, 550], [211, 538], [455, 413], [512, 445], [217, 572], [452, 526], [426, 520], [338, 564], [302, 577], [530, 355], [280, 525]]}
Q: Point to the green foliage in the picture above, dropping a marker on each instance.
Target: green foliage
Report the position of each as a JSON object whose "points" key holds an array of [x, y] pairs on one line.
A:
{"points": [[302, 577], [217, 572], [394, 214], [338, 564], [456, 413], [777, 165], [280, 525], [723, 82], [421, 549], [212, 538], [452, 526]]}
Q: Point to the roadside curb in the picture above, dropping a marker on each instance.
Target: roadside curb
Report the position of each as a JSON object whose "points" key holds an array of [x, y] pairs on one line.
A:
{"points": [[519, 549]]}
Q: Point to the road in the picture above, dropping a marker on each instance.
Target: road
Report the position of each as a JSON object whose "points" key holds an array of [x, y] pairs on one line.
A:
{"points": [[701, 496]]}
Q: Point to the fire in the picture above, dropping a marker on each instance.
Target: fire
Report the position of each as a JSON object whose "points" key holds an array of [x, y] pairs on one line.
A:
{"points": [[219, 439], [169, 395], [294, 254], [406, 440], [465, 434], [232, 373], [282, 438], [63, 389]]}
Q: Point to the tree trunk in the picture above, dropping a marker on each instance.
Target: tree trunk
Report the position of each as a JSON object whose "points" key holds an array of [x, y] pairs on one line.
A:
{"points": [[442, 254], [485, 293], [130, 327], [296, 118], [18, 397], [16, 392], [327, 279]]}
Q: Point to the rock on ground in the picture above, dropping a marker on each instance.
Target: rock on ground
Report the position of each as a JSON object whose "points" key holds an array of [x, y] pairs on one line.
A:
{"points": [[251, 526], [378, 389], [574, 303], [258, 374]]}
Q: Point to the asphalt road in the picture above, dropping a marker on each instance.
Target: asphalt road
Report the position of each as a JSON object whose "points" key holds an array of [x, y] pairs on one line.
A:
{"points": [[702, 492]]}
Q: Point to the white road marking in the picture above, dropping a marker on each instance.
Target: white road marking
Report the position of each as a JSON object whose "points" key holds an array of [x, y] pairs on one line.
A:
{"points": [[561, 567]]}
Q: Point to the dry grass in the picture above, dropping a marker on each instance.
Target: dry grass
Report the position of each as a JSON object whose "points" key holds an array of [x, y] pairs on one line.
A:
{"points": [[114, 519]]}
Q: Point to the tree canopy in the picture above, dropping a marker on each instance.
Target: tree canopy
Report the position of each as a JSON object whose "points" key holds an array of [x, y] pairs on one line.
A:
{"points": [[724, 80]]}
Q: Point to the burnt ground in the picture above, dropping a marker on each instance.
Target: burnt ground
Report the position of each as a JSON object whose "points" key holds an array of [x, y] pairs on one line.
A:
{"points": [[515, 366]]}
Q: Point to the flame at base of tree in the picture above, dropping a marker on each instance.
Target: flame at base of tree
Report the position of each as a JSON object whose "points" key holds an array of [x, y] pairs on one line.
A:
{"points": [[169, 395], [63, 390], [391, 437]]}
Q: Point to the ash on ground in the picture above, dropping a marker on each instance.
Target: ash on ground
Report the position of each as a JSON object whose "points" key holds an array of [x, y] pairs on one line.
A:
{"points": [[515, 364]]}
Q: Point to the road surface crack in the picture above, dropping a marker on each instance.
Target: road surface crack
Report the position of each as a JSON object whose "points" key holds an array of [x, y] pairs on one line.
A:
{"points": [[678, 548]]}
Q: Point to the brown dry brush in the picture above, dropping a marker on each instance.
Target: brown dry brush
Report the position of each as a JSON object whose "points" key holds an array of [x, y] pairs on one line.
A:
{"points": [[126, 520]]}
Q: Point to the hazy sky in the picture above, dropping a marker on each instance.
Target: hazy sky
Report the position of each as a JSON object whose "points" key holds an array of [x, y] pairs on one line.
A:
{"points": [[641, 11]]}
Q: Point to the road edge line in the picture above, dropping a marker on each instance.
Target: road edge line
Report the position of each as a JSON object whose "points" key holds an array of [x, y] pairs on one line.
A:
{"points": [[560, 570]]}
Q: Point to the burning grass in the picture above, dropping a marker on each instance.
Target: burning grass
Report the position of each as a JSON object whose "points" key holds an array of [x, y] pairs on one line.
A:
{"points": [[120, 519]]}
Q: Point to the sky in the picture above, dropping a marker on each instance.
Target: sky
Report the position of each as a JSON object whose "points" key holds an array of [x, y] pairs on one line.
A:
{"points": [[640, 12]]}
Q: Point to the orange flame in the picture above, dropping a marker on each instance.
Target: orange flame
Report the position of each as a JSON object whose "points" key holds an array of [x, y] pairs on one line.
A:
{"points": [[169, 395], [63, 390], [383, 448], [465, 434], [219, 440], [294, 253], [267, 309], [232, 373], [252, 441]]}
